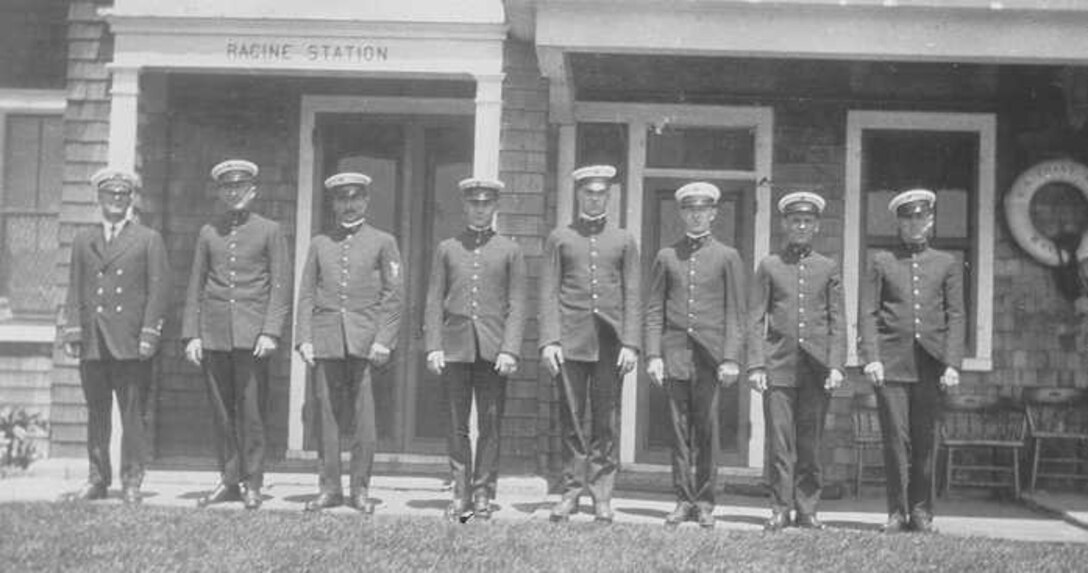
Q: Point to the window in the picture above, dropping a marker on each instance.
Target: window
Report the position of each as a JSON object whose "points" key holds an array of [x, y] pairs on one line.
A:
{"points": [[951, 154], [31, 171]]}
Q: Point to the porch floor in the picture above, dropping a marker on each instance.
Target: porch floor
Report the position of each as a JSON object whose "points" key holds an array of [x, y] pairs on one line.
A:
{"points": [[962, 514]]}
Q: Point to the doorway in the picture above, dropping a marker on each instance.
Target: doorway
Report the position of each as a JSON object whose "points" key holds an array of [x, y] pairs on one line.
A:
{"points": [[656, 149], [415, 161]]}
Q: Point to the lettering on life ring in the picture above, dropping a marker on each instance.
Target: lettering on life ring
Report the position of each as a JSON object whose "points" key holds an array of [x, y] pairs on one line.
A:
{"points": [[1018, 206]]}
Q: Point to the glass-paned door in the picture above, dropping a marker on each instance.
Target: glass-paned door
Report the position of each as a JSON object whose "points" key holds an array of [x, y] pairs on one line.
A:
{"points": [[415, 164], [662, 227]]}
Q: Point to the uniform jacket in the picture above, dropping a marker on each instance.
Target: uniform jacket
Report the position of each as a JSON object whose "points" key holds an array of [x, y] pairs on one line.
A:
{"points": [[911, 296], [696, 293], [118, 292], [239, 286], [476, 297], [351, 293], [591, 269], [795, 303]]}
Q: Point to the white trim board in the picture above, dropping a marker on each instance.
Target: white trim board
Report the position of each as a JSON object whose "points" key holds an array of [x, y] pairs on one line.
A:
{"points": [[983, 124]]}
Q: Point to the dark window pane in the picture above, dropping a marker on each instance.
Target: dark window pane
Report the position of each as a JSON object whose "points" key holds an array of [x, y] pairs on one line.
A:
{"points": [[602, 143], [701, 148], [605, 143], [22, 161], [944, 162], [51, 167]]}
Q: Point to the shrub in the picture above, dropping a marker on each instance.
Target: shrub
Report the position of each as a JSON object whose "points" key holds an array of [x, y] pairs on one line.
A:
{"points": [[18, 428]]}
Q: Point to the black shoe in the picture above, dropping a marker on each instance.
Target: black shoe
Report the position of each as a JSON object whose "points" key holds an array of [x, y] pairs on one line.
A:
{"points": [[565, 508], [779, 520], [679, 514], [221, 494], [481, 507], [458, 511], [252, 498], [88, 492], [895, 524], [706, 517], [808, 521], [325, 500], [131, 495], [361, 502], [602, 512], [922, 523]]}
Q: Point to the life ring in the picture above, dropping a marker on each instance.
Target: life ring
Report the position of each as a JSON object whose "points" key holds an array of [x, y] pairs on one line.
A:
{"points": [[1018, 206]]}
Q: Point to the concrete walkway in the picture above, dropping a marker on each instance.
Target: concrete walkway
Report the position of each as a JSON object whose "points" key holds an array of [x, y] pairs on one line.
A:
{"points": [[1043, 517]]}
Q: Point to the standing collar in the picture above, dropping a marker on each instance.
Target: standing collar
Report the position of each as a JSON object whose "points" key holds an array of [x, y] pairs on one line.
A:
{"points": [[473, 238], [587, 226]]}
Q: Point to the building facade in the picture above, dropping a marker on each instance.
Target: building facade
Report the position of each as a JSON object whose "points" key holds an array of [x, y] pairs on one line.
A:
{"points": [[854, 100]]}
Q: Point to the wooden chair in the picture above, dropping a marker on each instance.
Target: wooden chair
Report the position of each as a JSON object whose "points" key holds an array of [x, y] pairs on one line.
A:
{"points": [[1058, 418], [980, 429], [867, 437]]}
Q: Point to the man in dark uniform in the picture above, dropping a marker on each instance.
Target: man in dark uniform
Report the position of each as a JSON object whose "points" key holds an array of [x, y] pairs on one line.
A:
{"points": [[474, 322], [796, 356], [236, 308], [349, 312], [589, 337], [694, 334], [912, 343], [118, 289]]}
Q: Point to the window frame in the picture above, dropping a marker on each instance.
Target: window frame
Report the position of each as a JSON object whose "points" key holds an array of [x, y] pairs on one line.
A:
{"points": [[984, 125], [26, 102]]}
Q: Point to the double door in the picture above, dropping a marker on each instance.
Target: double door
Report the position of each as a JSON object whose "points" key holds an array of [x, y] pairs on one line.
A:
{"points": [[415, 162]]}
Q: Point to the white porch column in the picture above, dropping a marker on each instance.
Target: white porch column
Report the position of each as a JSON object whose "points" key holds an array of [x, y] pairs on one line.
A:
{"points": [[485, 161], [124, 99]]}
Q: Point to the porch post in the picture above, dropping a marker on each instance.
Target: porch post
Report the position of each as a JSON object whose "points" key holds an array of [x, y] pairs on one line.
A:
{"points": [[485, 161], [124, 100]]}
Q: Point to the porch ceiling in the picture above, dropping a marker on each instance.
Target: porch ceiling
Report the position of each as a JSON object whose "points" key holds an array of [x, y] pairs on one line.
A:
{"points": [[1013, 31], [720, 80]]}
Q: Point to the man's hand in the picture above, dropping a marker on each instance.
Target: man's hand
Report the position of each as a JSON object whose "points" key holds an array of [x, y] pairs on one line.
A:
{"points": [[265, 346], [73, 349], [656, 369], [194, 351], [627, 360], [758, 379], [552, 355], [506, 364], [834, 379], [306, 351], [950, 378], [728, 372], [436, 361], [875, 372], [145, 350], [379, 354]]}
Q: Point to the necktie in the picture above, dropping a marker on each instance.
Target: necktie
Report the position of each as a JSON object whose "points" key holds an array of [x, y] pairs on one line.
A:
{"points": [[112, 234]]}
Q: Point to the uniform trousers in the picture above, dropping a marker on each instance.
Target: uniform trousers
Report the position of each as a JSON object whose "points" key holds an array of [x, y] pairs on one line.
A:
{"points": [[693, 411], [129, 380], [460, 381], [589, 453], [344, 389], [795, 425], [237, 385], [909, 413]]}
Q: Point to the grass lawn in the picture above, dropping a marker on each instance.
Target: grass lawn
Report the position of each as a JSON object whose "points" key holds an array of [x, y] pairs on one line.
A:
{"points": [[44, 536]]}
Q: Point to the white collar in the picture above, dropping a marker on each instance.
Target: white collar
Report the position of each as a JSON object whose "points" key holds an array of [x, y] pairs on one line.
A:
{"points": [[699, 236], [353, 225], [585, 217], [107, 224]]}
